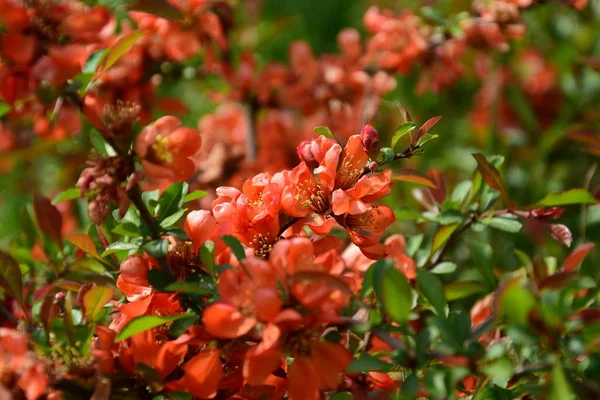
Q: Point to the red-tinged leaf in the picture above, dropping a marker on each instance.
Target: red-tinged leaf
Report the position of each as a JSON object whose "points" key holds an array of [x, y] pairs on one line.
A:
{"points": [[491, 175], [424, 129], [590, 315], [442, 236], [413, 176], [574, 259], [439, 193], [320, 276], [48, 310], [86, 244], [121, 47], [10, 277], [48, 218], [68, 285], [585, 137], [558, 280], [94, 299], [561, 234]]}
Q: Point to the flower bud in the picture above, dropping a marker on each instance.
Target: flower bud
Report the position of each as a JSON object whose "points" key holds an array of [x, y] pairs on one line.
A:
{"points": [[370, 139], [306, 154], [134, 270]]}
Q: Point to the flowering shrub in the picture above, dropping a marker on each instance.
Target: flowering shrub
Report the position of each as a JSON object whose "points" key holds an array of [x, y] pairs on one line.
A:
{"points": [[290, 241]]}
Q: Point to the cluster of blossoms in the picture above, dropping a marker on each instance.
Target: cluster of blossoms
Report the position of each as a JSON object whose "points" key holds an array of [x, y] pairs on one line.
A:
{"points": [[278, 301]]}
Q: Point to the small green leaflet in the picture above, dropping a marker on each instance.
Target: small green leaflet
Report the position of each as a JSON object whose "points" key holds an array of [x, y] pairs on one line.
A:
{"points": [[145, 322]]}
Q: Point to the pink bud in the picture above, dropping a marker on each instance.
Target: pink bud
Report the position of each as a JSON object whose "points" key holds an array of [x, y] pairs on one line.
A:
{"points": [[306, 154], [370, 139]]}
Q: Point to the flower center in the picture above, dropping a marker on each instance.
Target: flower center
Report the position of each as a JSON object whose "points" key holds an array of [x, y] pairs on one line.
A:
{"points": [[314, 196], [300, 343], [262, 245], [348, 173], [160, 152]]}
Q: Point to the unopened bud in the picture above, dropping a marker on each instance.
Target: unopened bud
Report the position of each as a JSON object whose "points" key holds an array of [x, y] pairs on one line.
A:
{"points": [[134, 270], [306, 154], [370, 139]]}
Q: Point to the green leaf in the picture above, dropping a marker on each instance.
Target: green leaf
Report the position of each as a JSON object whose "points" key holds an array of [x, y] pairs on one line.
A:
{"points": [[159, 279], [366, 363], [207, 256], [500, 370], [100, 144], [491, 175], [196, 194], [505, 224], [120, 246], [189, 287], [387, 154], [451, 217], [94, 299], [325, 131], [173, 218], [402, 131], [68, 194], [559, 386], [171, 200], [145, 322], [126, 229], [93, 62], [461, 289], [393, 290], [235, 246], [433, 290], [446, 267], [442, 236], [10, 277], [573, 196], [342, 396], [515, 302], [524, 260], [4, 109], [121, 47], [157, 248]]}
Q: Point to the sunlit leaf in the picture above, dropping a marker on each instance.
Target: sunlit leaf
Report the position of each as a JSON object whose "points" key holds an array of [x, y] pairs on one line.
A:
{"points": [[196, 194], [94, 299], [402, 130], [413, 176], [121, 47], [442, 236], [85, 244], [69, 194], [515, 302], [325, 131], [562, 234], [573, 196], [145, 322]]}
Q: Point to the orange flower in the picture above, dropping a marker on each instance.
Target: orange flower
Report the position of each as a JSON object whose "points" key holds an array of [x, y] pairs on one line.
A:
{"points": [[366, 229], [166, 147], [201, 375], [244, 300], [316, 366]]}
